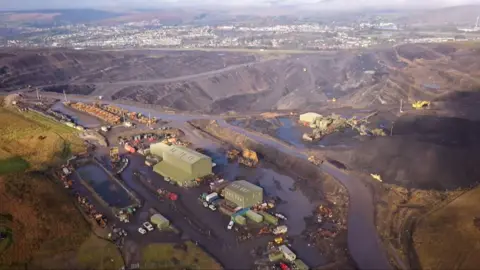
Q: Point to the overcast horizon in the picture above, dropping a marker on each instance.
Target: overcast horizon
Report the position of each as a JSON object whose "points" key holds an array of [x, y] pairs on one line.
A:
{"points": [[313, 4]]}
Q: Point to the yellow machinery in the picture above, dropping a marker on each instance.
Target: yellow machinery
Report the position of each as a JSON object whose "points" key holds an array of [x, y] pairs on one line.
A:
{"points": [[376, 177], [421, 104], [114, 156], [278, 240], [249, 158]]}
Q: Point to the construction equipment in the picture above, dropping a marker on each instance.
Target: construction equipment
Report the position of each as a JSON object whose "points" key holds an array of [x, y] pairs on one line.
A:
{"points": [[421, 104], [316, 161], [376, 177], [114, 156], [280, 230], [96, 111], [249, 158], [233, 154], [278, 240], [264, 230]]}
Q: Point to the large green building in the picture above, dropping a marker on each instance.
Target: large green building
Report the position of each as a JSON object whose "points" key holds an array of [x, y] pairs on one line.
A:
{"points": [[243, 193], [181, 164]]}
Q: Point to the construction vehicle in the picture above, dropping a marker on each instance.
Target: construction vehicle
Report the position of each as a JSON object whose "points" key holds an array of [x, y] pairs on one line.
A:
{"points": [[114, 156], [249, 158], [280, 230], [278, 240], [376, 177], [421, 104], [232, 154], [264, 230], [316, 161], [170, 195]]}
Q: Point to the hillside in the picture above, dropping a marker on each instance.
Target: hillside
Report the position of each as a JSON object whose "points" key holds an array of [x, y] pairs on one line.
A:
{"points": [[45, 230], [183, 81]]}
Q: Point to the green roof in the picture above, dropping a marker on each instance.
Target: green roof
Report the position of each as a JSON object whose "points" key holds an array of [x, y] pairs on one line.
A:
{"points": [[243, 187], [185, 154], [168, 170]]}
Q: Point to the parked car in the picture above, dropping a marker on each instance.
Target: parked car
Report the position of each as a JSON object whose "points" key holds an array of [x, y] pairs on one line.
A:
{"points": [[230, 225], [212, 207], [142, 230], [148, 226]]}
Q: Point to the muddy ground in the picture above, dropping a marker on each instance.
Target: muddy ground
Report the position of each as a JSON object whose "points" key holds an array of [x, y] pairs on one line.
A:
{"points": [[316, 186]]}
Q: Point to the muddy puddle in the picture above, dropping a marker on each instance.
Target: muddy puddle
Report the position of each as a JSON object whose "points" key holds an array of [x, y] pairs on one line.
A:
{"points": [[104, 186], [79, 118], [294, 205]]}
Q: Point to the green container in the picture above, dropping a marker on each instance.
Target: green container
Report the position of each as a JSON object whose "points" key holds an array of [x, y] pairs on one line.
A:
{"points": [[254, 216], [275, 256], [241, 220], [269, 218], [300, 265]]}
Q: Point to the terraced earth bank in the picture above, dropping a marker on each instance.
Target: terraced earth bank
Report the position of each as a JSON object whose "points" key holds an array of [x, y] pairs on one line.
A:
{"points": [[245, 82]]}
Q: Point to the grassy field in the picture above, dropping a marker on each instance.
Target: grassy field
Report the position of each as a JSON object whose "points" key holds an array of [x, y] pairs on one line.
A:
{"points": [[447, 238], [106, 255], [47, 230], [31, 141], [171, 256]]}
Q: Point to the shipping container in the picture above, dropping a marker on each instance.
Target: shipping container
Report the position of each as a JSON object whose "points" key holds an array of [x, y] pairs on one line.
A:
{"points": [[275, 256], [254, 216], [300, 265], [241, 220], [289, 255], [269, 218]]}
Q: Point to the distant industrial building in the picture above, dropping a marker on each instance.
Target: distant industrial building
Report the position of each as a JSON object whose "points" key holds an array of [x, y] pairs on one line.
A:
{"points": [[309, 118], [181, 164], [243, 193]]}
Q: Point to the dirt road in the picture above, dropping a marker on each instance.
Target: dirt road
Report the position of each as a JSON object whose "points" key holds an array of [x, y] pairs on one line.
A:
{"points": [[363, 241]]}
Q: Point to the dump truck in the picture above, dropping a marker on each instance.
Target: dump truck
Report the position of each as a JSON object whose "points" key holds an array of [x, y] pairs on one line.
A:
{"points": [[249, 158]]}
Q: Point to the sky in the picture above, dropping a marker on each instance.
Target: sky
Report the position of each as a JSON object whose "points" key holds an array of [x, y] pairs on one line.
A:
{"points": [[320, 4]]}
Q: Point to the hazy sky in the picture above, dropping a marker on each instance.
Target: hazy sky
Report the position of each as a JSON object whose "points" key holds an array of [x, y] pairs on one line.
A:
{"points": [[327, 4]]}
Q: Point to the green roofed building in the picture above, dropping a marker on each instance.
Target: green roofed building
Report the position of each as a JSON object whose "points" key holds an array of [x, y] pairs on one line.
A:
{"points": [[183, 165], [243, 193]]}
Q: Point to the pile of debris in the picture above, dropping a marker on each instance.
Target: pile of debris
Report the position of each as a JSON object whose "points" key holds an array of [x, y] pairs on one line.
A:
{"points": [[248, 158], [325, 125], [89, 209]]}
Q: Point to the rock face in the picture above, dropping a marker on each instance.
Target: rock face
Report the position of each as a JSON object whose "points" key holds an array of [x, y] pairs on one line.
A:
{"points": [[184, 81]]}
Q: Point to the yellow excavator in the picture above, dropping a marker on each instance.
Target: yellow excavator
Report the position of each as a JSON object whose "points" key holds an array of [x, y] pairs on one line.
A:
{"points": [[421, 104]]}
